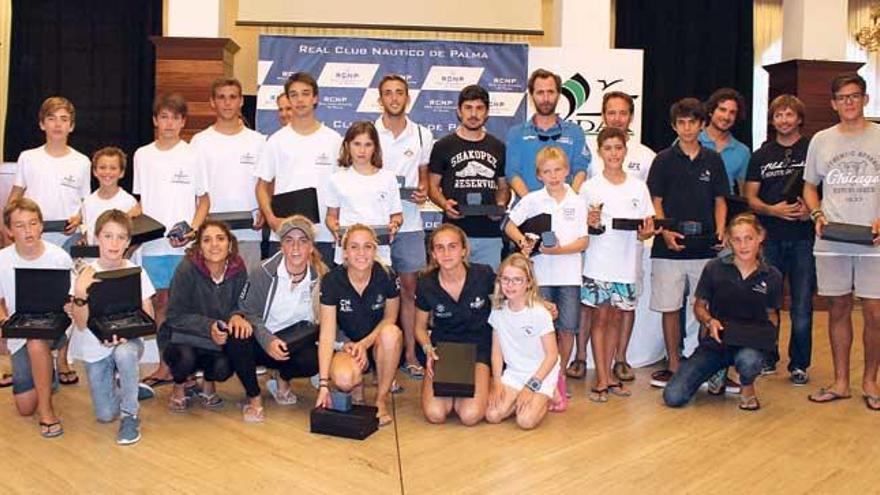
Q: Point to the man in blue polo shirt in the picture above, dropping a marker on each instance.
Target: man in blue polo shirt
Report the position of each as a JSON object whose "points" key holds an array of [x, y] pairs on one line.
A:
{"points": [[545, 128], [725, 107]]}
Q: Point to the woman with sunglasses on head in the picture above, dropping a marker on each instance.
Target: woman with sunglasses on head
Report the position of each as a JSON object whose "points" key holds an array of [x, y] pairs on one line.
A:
{"points": [[359, 307]]}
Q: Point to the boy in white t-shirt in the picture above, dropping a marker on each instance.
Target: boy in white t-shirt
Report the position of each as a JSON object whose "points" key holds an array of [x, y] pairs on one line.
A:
{"points": [[56, 177], [610, 265], [105, 360], [172, 189], [32, 372], [557, 268], [108, 166], [228, 153]]}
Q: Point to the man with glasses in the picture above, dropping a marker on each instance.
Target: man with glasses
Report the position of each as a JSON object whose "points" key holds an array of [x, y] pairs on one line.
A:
{"points": [[545, 128], [845, 159], [774, 190]]}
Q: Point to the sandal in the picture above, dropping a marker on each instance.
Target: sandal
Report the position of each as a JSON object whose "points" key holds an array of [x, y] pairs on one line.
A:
{"points": [[253, 414], [618, 390], [68, 377], [286, 398], [179, 405], [6, 380], [749, 403], [413, 371], [825, 395], [623, 371], [46, 429], [599, 395], [577, 369], [154, 382], [872, 402], [210, 401], [396, 388], [384, 419]]}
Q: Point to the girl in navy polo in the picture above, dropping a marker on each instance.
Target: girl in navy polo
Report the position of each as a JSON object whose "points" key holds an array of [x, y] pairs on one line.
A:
{"points": [[457, 296], [735, 292], [360, 298]]}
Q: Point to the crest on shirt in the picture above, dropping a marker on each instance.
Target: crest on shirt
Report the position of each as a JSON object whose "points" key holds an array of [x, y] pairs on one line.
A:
{"points": [[181, 177], [568, 213], [635, 203], [380, 302], [247, 159], [528, 330], [635, 166], [705, 176], [383, 196], [441, 312], [69, 181], [345, 305], [478, 303], [760, 288], [409, 153], [324, 160]]}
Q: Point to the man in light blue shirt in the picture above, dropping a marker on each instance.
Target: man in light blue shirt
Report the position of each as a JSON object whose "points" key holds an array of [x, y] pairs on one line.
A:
{"points": [[724, 107], [545, 128]]}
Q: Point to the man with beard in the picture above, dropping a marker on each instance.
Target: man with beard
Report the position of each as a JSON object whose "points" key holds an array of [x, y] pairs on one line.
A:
{"points": [[468, 161], [845, 159], [406, 150], [725, 107], [545, 128], [789, 242]]}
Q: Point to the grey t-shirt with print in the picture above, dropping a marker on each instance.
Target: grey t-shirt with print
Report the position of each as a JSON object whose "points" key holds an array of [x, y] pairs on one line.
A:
{"points": [[848, 167]]}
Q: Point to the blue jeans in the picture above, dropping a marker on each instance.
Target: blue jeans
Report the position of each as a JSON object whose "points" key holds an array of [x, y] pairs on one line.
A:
{"points": [[794, 259], [707, 359], [108, 400]]}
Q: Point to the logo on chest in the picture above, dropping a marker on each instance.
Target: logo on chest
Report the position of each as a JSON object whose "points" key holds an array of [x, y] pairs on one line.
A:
{"points": [[440, 311], [69, 181], [181, 177], [634, 166], [760, 288], [705, 176], [323, 160], [345, 306], [478, 303], [528, 330], [379, 304], [568, 214], [247, 159]]}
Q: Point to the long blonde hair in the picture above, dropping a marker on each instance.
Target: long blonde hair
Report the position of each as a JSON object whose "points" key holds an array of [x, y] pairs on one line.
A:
{"points": [[522, 262], [433, 266], [359, 227]]}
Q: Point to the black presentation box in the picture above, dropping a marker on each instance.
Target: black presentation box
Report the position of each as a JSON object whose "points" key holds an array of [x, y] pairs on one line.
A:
{"points": [[454, 371], [40, 296], [236, 220], [849, 233], [300, 202], [793, 187], [300, 335], [761, 336], [145, 228], [54, 225], [84, 251], [537, 225], [383, 235], [666, 223], [115, 306], [627, 223], [473, 206], [358, 423], [405, 192]]}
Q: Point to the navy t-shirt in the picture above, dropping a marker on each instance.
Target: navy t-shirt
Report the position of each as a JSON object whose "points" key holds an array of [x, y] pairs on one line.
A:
{"points": [[358, 314], [465, 320], [731, 297], [771, 166]]}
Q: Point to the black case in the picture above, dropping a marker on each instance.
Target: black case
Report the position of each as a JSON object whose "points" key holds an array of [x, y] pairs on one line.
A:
{"points": [[383, 235], [454, 371], [299, 335], [115, 306], [54, 225], [300, 202], [469, 207], [793, 187], [84, 251], [849, 233], [145, 228], [40, 296], [665, 223], [538, 225], [358, 423], [236, 220], [761, 336], [626, 223]]}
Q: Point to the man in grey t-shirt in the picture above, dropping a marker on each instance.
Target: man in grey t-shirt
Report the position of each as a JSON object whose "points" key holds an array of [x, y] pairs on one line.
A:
{"points": [[845, 159]]}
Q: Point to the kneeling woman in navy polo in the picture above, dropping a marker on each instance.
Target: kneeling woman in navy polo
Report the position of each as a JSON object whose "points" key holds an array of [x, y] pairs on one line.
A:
{"points": [[360, 298], [737, 293], [457, 297]]}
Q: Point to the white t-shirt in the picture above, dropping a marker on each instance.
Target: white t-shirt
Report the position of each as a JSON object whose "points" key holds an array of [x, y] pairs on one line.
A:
{"points": [[84, 345], [169, 183], [613, 255], [402, 156], [52, 258], [230, 165], [637, 162], [519, 333], [295, 161], [94, 206], [58, 185], [366, 199], [568, 222], [290, 306]]}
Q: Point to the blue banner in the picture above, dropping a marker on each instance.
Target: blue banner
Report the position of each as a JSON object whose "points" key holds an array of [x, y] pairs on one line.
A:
{"points": [[348, 71]]}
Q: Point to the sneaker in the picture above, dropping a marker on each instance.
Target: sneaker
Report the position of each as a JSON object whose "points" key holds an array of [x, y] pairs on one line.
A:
{"points": [[715, 383], [145, 392], [261, 370], [660, 378], [732, 387], [799, 377], [129, 430], [768, 369]]}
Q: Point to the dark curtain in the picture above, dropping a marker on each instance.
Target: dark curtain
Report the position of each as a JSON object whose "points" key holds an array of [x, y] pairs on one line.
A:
{"points": [[692, 47], [97, 53]]}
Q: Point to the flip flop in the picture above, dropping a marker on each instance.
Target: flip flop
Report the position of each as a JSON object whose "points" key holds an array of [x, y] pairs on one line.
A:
{"points": [[872, 402], [47, 432], [154, 382], [598, 395], [618, 390], [749, 403], [64, 377], [577, 369], [288, 398], [385, 420], [413, 371], [825, 395], [5, 380]]}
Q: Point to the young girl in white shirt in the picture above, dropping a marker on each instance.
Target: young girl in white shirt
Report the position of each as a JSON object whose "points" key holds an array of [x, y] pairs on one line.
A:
{"points": [[362, 192], [525, 360]]}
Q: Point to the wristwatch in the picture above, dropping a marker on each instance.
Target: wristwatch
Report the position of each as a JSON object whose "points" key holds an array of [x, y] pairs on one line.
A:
{"points": [[80, 302], [533, 384]]}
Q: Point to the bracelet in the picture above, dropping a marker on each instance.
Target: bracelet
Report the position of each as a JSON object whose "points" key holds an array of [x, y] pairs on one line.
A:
{"points": [[814, 214]]}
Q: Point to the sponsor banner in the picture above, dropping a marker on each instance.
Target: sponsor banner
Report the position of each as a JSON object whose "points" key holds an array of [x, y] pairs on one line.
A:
{"points": [[348, 71]]}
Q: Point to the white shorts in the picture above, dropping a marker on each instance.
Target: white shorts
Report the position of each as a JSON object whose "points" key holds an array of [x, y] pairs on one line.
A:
{"points": [[669, 279], [842, 275], [517, 380]]}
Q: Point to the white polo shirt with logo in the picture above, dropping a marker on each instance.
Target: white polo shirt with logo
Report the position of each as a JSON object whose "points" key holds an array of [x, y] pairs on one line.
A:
{"points": [[402, 156], [636, 164]]}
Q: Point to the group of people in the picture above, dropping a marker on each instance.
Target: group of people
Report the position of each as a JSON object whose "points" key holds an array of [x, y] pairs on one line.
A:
{"points": [[364, 292]]}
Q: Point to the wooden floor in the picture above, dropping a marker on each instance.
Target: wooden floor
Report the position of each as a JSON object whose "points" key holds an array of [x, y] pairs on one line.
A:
{"points": [[633, 445]]}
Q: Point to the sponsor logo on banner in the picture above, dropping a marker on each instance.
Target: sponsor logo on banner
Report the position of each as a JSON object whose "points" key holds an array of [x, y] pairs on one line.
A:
{"points": [[505, 84], [449, 78], [504, 104], [345, 75], [440, 105], [335, 102], [266, 96], [370, 101]]}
